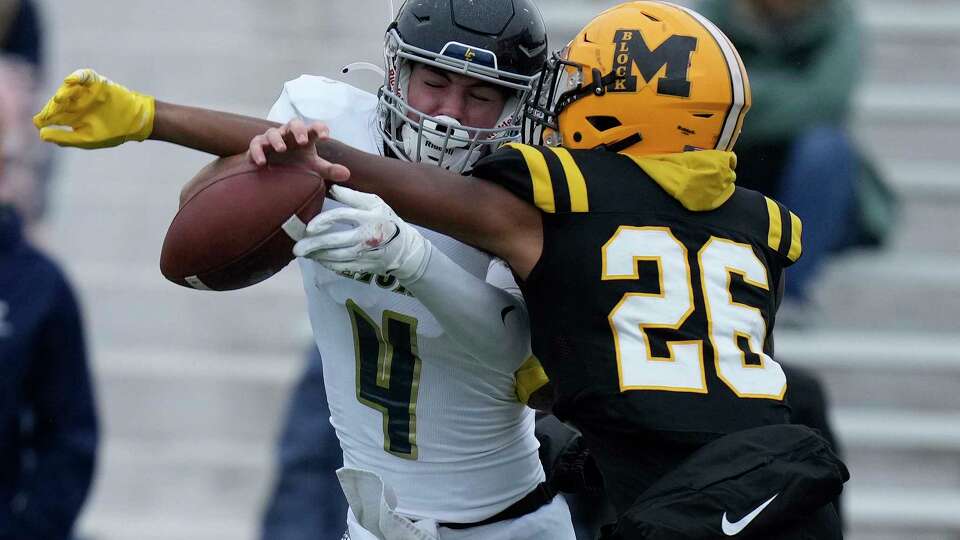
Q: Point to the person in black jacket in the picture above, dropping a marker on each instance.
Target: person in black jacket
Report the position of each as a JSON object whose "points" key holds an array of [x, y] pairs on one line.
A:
{"points": [[21, 32], [48, 423]]}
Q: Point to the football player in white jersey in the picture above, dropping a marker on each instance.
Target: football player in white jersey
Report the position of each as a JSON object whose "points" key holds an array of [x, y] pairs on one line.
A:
{"points": [[425, 402]]}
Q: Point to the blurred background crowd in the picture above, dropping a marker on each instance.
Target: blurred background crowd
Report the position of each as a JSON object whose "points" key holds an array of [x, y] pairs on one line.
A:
{"points": [[212, 419]]}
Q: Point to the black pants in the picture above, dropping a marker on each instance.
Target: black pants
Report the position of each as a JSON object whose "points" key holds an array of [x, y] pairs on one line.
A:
{"points": [[769, 482]]}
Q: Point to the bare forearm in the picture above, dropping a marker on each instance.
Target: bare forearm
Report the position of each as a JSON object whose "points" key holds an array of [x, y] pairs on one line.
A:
{"points": [[214, 132]]}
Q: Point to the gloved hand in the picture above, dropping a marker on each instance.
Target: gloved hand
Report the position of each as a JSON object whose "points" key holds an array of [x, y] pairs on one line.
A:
{"points": [[101, 113], [378, 242]]}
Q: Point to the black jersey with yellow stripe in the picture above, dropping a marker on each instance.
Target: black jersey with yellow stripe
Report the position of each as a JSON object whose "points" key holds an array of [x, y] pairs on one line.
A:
{"points": [[652, 320]]}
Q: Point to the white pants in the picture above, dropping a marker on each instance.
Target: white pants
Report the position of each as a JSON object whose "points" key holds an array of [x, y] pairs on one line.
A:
{"points": [[371, 517]]}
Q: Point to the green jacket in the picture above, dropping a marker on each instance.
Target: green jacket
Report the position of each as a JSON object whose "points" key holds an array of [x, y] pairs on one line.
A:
{"points": [[801, 75]]}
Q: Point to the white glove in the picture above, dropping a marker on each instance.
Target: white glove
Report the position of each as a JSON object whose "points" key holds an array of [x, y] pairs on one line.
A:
{"points": [[378, 241]]}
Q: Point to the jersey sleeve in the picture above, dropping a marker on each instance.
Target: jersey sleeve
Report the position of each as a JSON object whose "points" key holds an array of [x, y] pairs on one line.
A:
{"points": [[784, 232], [507, 168], [547, 177], [282, 110]]}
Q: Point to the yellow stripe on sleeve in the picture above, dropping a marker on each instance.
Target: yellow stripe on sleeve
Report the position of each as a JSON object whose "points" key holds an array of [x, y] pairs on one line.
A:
{"points": [[530, 378], [776, 227], [576, 185], [796, 228], [540, 175]]}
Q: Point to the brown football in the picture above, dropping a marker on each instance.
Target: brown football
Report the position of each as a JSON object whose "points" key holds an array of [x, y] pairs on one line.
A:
{"points": [[237, 223]]}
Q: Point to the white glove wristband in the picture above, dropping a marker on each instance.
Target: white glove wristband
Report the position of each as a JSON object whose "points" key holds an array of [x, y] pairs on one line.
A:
{"points": [[413, 253]]}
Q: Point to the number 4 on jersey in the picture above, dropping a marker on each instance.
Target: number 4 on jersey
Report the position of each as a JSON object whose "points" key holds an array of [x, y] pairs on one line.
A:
{"points": [[388, 375]]}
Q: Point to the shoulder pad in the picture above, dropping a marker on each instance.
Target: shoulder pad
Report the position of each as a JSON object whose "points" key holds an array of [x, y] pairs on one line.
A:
{"points": [[350, 113], [547, 177], [319, 98]]}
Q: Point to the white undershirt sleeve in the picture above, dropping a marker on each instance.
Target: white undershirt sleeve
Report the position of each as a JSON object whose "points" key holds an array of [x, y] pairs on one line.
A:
{"points": [[489, 320]]}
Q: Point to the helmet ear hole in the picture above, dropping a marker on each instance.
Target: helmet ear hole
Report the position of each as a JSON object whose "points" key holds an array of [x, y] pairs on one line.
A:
{"points": [[577, 137], [603, 123]]}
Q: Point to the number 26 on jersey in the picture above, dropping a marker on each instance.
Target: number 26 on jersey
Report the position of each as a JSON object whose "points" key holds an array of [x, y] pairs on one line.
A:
{"points": [[730, 325]]}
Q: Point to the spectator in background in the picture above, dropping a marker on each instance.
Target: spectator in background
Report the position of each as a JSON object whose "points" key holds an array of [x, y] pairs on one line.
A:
{"points": [[307, 502], [48, 426], [804, 60], [28, 163], [21, 34]]}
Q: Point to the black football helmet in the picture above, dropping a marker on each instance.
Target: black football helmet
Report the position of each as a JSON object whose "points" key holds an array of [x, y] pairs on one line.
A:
{"points": [[501, 42]]}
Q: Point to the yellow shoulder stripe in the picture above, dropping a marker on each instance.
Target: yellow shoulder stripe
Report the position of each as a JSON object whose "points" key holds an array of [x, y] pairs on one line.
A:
{"points": [[776, 227], [796, 228], [530, 378], [576, 185], [775, 238], [540, 176]]}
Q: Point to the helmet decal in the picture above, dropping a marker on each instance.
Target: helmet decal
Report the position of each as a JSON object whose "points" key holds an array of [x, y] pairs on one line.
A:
{"points": [[632, 50], [470, 54]]}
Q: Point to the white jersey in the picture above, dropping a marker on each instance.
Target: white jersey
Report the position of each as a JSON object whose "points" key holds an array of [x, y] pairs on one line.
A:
{"points": [[445, 433]]}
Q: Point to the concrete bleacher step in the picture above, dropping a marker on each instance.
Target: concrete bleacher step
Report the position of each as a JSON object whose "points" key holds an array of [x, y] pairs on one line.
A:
{"points": [[898, 291], [918, 370], [135, 306], [889, 449], [921, 127], [195, 478], [897, 34], [162, 395], [915, 514], [108, 525], [928, 219], [900, 429], [930, 181]]}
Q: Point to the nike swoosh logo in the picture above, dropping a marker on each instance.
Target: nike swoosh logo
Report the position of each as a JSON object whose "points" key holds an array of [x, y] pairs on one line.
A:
{"points": [[504, 311], [733, 529]]}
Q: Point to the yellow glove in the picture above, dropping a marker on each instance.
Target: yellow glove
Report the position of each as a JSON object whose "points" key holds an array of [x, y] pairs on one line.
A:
{"points": [[100, 112]]}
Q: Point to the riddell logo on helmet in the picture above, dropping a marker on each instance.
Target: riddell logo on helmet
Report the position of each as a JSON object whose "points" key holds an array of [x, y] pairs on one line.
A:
{"points": [[632, 50]]}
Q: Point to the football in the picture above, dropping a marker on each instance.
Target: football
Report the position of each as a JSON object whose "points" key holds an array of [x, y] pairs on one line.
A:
{"points": [[237, 223]]}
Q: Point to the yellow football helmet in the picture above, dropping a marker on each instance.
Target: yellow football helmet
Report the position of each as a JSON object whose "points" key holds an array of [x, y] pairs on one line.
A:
{"points": [[642, 78]]}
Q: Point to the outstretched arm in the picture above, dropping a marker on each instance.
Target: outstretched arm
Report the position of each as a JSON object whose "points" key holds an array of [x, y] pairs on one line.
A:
{"points": [[214, 132], [90, 111]]}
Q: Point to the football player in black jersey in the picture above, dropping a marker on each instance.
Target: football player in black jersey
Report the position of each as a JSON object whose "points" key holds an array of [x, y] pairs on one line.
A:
{"points": [[652, 281]]}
